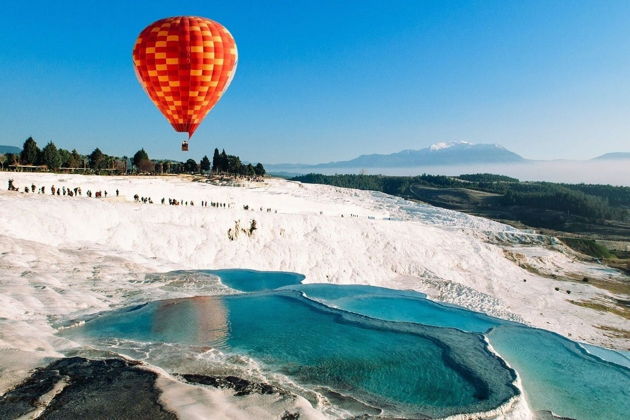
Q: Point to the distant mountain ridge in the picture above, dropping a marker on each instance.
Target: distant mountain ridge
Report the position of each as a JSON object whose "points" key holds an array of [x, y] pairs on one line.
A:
{"points": [[451, 153], [9, 149], [613, 156]]}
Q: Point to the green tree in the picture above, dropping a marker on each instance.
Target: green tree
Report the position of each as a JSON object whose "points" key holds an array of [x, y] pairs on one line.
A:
{"points": [[51, 157], [139, 157], [205, 164], [191, 166], [74, 160], [223, 162], [216, 160], [259, 169], [234, 165], [97, 159], [249, 170], [64, 155], [30, 152]]}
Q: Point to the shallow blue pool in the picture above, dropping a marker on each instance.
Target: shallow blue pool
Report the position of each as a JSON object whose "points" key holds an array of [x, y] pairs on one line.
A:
{"points": [[401, 369], [384, 351]]}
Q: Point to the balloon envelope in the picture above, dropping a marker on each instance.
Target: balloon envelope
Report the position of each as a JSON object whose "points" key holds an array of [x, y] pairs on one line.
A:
{"points": [[185, 64]]}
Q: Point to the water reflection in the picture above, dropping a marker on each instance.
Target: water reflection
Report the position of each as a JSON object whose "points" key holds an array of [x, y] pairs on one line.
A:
{"points": [[202, 320]]}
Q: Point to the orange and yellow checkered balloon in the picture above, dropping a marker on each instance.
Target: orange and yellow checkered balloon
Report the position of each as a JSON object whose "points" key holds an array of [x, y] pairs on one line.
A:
{"points": [[185, 64]]}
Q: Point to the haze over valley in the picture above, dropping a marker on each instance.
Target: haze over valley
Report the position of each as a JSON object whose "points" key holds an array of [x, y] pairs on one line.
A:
{"points": [[456, 158]]}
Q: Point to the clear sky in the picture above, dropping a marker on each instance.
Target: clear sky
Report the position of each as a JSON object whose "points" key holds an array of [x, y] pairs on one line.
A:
{"points": [[328, 80]]}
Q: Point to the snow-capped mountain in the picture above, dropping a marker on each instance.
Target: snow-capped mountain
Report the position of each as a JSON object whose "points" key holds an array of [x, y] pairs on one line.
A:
{"points": [[451, 153]]}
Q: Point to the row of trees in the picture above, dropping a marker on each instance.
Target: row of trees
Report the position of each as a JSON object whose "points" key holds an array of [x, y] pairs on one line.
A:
{"points": [[557, 197], [50, 156], [222, 163], [56, 158]]}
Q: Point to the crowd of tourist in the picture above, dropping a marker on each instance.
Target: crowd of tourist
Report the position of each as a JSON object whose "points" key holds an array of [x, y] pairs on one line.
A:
{"points": [[63, 190], [77, 191]]}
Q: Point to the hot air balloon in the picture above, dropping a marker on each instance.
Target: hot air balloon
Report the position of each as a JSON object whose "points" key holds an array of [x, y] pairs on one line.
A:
{"points": [[185, 64]]}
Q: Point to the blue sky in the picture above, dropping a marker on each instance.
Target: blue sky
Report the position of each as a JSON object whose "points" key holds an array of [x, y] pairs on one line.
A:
{"points": [[328, 80]]}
